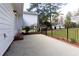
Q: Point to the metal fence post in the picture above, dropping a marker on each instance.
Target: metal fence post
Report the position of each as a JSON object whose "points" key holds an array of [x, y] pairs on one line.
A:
{"points": [[67, 33]]}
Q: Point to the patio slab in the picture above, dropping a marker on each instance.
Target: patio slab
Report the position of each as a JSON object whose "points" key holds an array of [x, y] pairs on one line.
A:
{"points": [[41, 45]]}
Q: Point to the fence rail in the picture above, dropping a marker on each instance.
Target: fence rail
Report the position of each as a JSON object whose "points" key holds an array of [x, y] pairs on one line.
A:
{"points": [[71, 34]]}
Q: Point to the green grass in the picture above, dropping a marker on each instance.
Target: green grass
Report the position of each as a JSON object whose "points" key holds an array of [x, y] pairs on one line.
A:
{"points": [[73, 33]]}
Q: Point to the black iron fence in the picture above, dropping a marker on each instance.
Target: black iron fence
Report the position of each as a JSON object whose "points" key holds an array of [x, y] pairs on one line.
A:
{"points": [[70, 34]]}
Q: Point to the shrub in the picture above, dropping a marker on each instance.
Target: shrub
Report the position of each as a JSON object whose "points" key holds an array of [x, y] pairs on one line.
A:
{"points": [[26, 29], [73, 40]]}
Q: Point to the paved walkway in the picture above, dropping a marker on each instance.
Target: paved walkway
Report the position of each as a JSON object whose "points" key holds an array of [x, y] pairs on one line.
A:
{"points": [[41, 45]]}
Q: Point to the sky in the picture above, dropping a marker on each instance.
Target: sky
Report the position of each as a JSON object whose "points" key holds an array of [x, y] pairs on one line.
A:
{"points": [[26, 6], [70, 7]]}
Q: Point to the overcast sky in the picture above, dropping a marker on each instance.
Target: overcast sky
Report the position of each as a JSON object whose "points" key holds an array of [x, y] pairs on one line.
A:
{"points": [[71, 6]]}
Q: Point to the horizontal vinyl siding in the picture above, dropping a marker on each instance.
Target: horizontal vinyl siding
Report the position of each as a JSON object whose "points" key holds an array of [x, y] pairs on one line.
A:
{"points": [[6, 14], [7, 26], [29, 19]]}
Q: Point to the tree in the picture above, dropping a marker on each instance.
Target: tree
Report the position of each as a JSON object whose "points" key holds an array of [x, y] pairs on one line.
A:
{"points": [[76, 13], [46, 11], [68, 22], [48, 24], [26, 29]]}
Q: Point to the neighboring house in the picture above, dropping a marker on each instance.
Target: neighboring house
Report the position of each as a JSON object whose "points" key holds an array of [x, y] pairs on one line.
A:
{"points": [[10, 23], [59, 24], [30, 18]]}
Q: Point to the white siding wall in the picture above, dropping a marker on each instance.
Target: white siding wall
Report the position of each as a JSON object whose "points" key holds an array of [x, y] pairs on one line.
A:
{"points": [[19, 23], [30, 19], [7, 26]]}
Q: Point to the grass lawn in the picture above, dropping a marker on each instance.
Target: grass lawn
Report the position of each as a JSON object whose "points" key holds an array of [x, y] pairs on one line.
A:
{"points": [[73, 33]]}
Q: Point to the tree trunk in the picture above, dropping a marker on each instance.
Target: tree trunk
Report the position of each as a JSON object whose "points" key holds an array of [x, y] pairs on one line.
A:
{"points": [[50, 20]]}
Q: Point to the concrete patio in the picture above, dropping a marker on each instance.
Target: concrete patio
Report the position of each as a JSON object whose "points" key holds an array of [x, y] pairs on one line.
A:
{"points": [[41, 45]]}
